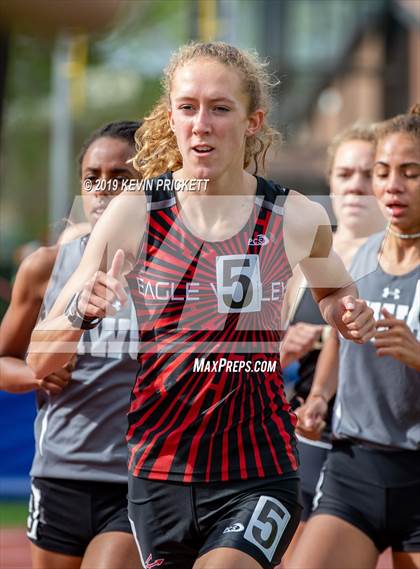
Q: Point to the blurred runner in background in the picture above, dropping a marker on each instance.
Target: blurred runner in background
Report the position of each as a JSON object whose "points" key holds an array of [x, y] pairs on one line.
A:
{"points": [[349, 169], [368, 495], [78, 505]]}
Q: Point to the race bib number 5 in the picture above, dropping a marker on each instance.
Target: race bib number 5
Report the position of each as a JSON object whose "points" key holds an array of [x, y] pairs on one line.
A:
{"points": [[238, 283], [267, 525]]}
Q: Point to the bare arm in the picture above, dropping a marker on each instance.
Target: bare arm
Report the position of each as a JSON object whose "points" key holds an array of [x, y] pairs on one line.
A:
{"points": [[308, 241], [326, 372], [55, 340], [18, 322], [311, 415], [301, 337]]}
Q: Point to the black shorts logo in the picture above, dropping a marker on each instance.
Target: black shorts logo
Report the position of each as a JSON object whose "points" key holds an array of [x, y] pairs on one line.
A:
{"points": [[149, 563], [267, 524], [238, 527]]}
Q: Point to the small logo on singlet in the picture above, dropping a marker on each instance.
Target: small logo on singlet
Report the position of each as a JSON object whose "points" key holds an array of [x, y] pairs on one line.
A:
{"points": [[387, 292], [259, 240], [234, 528], [149, 563]]}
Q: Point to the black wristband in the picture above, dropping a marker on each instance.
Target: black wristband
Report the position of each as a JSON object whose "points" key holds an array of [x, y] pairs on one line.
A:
{"points": [[76, 319]]}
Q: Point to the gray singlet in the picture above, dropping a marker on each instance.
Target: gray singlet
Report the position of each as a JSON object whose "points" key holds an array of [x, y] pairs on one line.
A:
{"points": [[80, 433], [378, 398]]}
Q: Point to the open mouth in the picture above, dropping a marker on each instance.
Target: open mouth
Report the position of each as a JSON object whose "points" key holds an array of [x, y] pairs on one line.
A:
{"points": [[99, 211], [203, 149], [396, 209]]}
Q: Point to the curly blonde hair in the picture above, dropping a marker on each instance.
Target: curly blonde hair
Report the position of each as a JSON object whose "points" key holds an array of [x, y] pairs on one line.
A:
{"points": [[156, 145]]}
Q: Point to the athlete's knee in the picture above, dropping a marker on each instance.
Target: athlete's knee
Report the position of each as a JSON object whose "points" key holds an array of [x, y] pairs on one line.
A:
{"points": [[226, 558]]}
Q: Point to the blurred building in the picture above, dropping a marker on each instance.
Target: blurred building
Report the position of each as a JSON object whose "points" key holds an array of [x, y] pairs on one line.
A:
{"points": [[339, 62]]}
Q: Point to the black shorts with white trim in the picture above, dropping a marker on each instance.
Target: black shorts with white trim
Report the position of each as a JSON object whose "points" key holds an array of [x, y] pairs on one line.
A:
{"points": [[65, 515], [312, 455], [375, 490], [175, 523]]}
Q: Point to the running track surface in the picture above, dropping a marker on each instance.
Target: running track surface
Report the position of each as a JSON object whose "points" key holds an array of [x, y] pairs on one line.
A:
{"points": [[15, 553]]}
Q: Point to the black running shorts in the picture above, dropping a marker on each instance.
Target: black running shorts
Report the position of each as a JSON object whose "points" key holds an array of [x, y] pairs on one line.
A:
{"points": [[377, 491], [312, 455], [175, 523], [65, 515]]}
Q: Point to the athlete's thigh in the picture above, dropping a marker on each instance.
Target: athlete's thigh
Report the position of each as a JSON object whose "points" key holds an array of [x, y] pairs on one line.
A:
{"points": [[44, 559], [226, 558], [112, 550], [255, 518], [403, 519], [329, 542], [163, 523], [293, 544], [59, 520], [406, 560]]}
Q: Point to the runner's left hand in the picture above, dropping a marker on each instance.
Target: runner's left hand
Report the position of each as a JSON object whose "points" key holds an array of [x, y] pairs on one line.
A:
{"points": [[397, 340], [357, 321]]}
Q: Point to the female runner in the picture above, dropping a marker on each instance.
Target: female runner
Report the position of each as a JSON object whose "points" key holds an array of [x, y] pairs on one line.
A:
{"points": [[349, 169], [211, 446], [78, 507], [368, 498]]}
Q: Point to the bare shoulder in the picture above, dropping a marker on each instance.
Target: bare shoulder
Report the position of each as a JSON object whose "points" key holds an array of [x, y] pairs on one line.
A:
{"points": [[125, 216], [28, 292], [73, 231], [132, 205], [306, 227], [120, 227], [302, 214], [34, 272]]}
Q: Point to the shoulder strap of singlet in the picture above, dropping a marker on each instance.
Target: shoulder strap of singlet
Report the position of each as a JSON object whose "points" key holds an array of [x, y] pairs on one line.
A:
{"points": [[71, 251], [366, 258], [271, 196], [83, 242], [159, 192]]}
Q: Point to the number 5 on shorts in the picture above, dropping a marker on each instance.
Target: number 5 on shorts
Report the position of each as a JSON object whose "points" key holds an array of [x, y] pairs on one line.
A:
{"points": [[267, 524]]}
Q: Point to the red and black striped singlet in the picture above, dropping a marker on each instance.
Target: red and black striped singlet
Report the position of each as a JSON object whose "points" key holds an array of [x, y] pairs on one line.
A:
{"points": [[208, 403]]}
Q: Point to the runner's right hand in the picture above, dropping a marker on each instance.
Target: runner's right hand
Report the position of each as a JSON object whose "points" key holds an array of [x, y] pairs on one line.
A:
{"points": [[311, 417], [57, 381], [300, 339], [103, 289]]}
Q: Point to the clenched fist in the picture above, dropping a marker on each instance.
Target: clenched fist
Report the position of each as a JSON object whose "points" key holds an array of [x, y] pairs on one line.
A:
{"points": [[104, 293], [354, 319]]}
